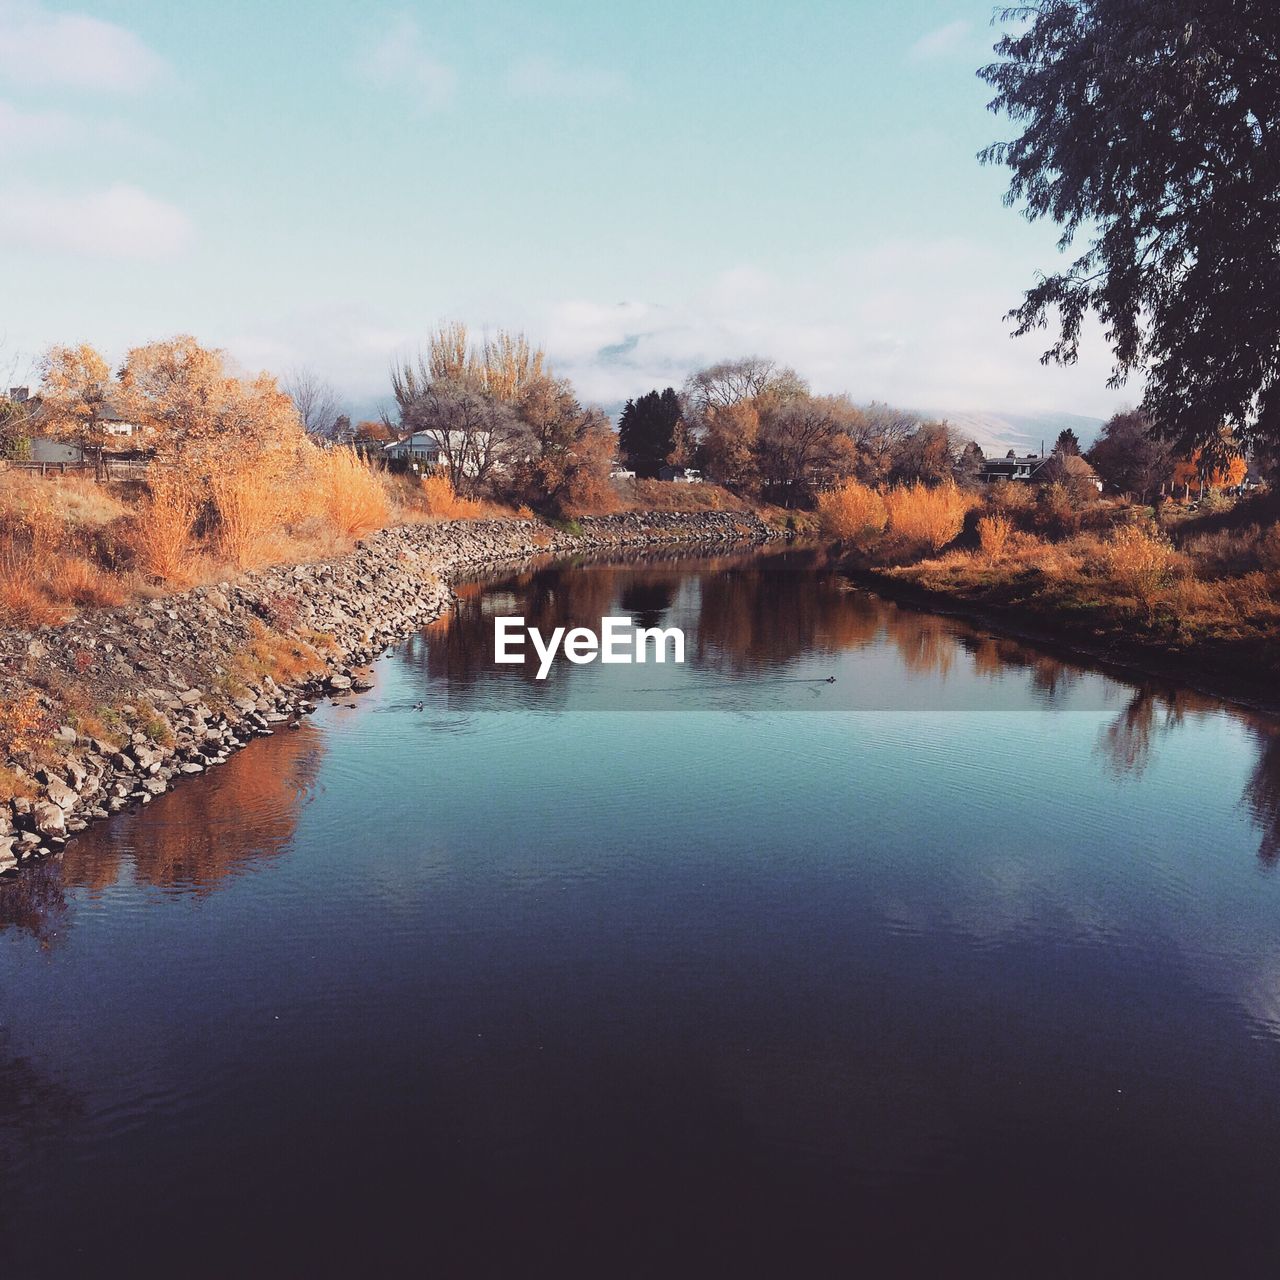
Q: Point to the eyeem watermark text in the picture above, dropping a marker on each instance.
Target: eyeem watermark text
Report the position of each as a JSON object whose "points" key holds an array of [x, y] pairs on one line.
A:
{"points": [[617, 641]]}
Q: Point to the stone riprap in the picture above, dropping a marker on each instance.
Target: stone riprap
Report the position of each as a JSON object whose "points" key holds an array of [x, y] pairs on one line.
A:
{"points": [[172, 687]]}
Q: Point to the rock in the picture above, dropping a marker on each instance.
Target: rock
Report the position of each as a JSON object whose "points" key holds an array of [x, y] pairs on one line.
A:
{"points": [[8, 859], [65, 734], [192, 768], [49, 818], [77, 774], [190, 697], [339, 682], [61, 795]]}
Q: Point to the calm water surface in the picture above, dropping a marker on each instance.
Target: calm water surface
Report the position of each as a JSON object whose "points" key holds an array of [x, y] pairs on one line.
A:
{"points": [[967, 962]]}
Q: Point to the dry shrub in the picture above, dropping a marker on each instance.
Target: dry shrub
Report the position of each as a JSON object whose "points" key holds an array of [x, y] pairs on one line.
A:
{"points": [[444, 504], [994, 532], [23, 599], [853, 511], [928, 517], [251, 505], [1140, 560], [1010, 497], [24, 725], [1056, 511], [351, 496], [78, 581], [161, 535]]}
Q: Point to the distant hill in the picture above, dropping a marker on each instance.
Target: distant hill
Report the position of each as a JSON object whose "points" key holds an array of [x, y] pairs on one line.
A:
{"points": [[998, 432]]}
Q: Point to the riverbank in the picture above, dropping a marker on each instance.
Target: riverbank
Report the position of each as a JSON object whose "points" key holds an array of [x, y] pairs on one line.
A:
{"points": [[1242, 667], [114, 707]]}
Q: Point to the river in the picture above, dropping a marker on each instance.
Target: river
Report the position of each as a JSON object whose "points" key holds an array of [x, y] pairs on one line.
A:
{"points": [[863, 939]]}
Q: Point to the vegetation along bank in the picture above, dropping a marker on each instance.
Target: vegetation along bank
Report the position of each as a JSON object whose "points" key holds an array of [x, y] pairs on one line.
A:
{"points": [[112, 708]]}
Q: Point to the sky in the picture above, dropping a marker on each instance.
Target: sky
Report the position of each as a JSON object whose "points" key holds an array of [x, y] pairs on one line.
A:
{"points": [[643, 187]]}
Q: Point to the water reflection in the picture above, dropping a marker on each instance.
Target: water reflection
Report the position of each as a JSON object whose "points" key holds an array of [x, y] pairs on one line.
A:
{"points": [[189, 841], [1262, 794]]}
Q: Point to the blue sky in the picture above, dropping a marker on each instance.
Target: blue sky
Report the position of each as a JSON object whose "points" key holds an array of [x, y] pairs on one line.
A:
{"points": [[643, 187]]}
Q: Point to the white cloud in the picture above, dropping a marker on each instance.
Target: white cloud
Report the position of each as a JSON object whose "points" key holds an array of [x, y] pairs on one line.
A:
{"points": [[941, 42], [49, 128], [119, 221], [72, 50], [916, 323], [399, 60], [539, 77], [33, 130]]}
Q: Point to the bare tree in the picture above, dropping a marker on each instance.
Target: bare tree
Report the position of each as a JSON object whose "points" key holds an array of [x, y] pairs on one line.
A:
{"points": [[316, 401], [730, 382], [476, 434], [880, 433], [804, 446]]}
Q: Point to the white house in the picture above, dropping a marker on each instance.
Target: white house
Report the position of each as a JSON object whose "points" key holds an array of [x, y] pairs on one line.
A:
{"points": [[421, 449], [424, 450]]}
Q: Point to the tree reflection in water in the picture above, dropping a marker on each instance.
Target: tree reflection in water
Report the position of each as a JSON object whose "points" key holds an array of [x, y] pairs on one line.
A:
{"points": [[1262, 794], [1128, 742], [188, 841]]}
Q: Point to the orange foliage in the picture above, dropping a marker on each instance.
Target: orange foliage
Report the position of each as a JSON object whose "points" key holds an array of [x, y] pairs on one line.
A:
{"points": [[852, 511], [73, 393], [930, 517], [249, 506], [1191, 472], [23, 725], [994, 532], [161, 536], [200, 411], [444, 504], [351, 495], [1139, 560]]}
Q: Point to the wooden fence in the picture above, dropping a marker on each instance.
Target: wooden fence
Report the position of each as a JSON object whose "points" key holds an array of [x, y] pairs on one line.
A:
{"points": [[112, 468]]}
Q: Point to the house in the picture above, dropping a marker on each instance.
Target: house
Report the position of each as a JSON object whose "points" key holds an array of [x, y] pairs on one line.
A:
{"points": [[425, 450], [1012, 466], [48, 450], [421, 450], [680, 475], [116, 424]]}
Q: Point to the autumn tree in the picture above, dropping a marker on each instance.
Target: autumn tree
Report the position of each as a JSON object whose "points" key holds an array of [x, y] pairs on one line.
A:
{"points": [[732, 381], [879, 433], [729, 444], [1129, 457], [1220, 468], [1151, 128], [650, 429], [476, 433], [804, 446], [75, 389], [928, 455], [200, 412], [570, 449]]}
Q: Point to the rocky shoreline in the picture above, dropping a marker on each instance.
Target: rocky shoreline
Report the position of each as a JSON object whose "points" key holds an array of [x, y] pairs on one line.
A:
{"points": [[139, 697]]}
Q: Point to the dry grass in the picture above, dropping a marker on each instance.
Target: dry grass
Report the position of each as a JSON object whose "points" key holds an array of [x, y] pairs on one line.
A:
{"points": [[852, 512], [78, 581], [286, 659], [250, 507], [442, 503], [162, 534], [351, 496]]}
